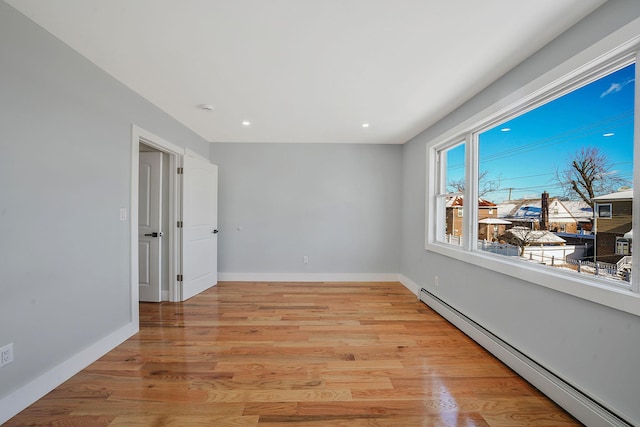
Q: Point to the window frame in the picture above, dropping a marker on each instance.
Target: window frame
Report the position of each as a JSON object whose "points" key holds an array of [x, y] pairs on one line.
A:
{"points": [[440, 189], [598, 205], [619, 49]]}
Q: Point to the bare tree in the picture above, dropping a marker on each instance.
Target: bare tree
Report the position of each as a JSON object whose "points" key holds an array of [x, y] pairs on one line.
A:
{"points": [[484, 186], [520, 237], [588, 174]]}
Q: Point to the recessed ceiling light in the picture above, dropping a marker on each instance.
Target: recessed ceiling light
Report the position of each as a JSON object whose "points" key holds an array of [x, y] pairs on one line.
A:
{"points": [[505, 129], [206, 107], [365, 125], [608, 134], [246, 123]]}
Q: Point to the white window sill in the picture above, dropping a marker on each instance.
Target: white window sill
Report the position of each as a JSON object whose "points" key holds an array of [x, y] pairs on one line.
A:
{"points": [[601, 291]]}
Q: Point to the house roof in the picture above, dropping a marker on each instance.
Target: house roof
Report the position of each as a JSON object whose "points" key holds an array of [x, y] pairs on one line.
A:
{"points": [[580, 210], [505, 208], [618, 195], [519, 208], [530, 209], [533, 237], [494, 221], [459, 201]]}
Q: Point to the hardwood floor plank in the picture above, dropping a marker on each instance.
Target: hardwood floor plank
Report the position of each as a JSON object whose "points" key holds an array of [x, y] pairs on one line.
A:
{"points": [[260, 384], [268, 409], [65, 421], [352, 365], [296, 354], [510, 387], [132, 408], [182, 421], [172, 393], [467, 420], [277, 395]]}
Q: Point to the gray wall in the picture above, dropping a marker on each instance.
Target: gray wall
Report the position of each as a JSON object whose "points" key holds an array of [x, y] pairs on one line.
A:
{"points": [[338, 204], [65, 162], [594, 347]]}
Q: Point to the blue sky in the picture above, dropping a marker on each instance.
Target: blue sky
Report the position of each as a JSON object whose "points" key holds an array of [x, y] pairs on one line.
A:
{"points": [[525, 152]]}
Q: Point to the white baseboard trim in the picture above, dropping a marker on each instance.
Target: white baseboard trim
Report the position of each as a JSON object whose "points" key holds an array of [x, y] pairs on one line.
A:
{"points": [[321, 277], [576, 402], [409, 284], [15, 402], [307, 277]]}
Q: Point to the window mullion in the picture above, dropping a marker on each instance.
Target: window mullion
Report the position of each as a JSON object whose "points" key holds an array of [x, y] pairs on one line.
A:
{"points": [[432, 198], [470, 228]]}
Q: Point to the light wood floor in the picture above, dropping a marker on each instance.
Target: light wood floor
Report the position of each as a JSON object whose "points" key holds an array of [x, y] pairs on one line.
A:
{"points": [[287, 354]]}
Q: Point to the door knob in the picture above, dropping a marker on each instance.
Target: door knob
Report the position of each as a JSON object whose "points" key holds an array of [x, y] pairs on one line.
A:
{"points": [[154, 234]]}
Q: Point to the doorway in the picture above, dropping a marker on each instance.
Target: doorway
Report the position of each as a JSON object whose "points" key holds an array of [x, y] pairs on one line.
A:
{"points": [[189, 219], [153, 224], [146, 142]]}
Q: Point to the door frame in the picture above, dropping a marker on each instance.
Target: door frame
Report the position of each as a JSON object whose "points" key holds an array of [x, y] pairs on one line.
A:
{"points": [[175, 153]]}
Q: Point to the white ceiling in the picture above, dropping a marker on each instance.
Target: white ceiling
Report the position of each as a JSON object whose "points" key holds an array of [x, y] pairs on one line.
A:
{"points": [[306, 70]]}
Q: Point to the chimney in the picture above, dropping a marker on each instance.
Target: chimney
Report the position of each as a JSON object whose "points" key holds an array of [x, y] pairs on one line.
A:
{"points": [[544, 214]]}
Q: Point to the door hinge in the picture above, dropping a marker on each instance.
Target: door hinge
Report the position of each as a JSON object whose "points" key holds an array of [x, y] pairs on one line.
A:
{"points": [[180, 171], [179, 224], [179, 277]]}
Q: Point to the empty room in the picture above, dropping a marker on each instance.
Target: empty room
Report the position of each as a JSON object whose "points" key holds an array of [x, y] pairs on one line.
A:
{"points": [[319, 213]]}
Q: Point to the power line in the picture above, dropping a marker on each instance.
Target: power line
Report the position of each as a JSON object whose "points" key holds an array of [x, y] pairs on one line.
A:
{"points": [[608, 123], [562, 138], [515, 178]]}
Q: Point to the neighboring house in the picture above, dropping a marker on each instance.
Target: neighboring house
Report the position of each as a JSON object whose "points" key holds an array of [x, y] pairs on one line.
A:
{"points": [[487, 209], [524, 236], [613, 221], [571, 217], [582, 212]]}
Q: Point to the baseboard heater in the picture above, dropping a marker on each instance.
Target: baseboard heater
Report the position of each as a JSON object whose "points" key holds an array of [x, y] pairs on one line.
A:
{"points": [[577, 403]]}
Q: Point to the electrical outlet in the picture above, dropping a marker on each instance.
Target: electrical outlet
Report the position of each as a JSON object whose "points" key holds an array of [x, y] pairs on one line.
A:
{"points": [[305, 259], [6, 354], [436, 280]]}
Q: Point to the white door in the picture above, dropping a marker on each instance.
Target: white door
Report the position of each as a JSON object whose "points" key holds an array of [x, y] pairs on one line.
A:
{"points": [[149, 226], [200, 222]]}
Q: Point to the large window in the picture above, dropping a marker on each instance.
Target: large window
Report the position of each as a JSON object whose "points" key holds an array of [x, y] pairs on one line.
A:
{"points": [[534, 181]]}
